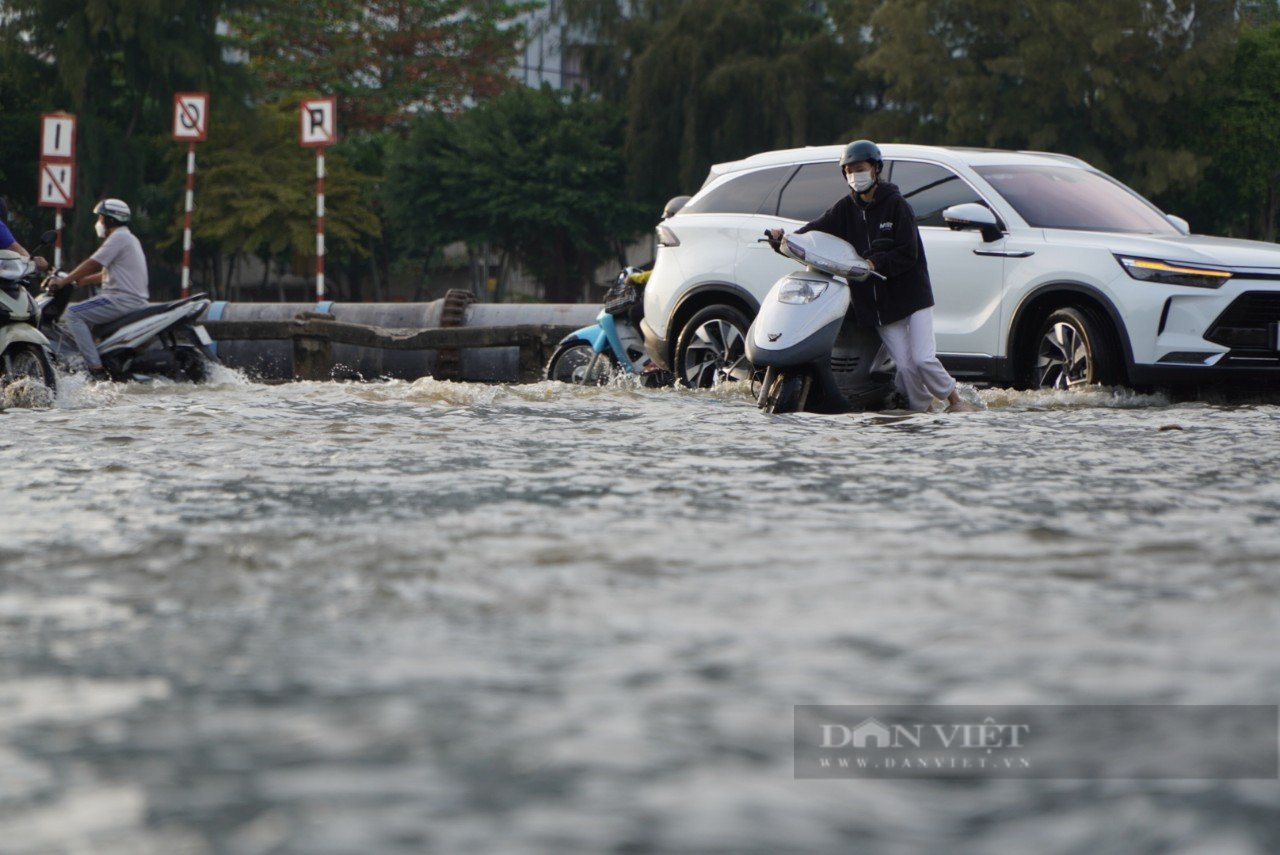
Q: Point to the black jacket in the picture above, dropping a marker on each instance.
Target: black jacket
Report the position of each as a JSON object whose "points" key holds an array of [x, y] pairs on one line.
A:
{"points": [[906, 288]]}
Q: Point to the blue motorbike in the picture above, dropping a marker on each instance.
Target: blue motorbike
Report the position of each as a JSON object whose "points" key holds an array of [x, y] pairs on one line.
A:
{"points": [[593, 355]]}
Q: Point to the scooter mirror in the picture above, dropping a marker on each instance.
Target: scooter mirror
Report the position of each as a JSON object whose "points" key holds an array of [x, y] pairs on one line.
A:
{"points": [[48, 237]]}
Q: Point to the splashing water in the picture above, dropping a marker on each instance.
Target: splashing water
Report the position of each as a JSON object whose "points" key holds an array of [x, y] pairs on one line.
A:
{"points": [[440, 617]]}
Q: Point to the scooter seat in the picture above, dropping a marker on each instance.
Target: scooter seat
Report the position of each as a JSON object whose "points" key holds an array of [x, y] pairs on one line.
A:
{"points": [[112, 327]]}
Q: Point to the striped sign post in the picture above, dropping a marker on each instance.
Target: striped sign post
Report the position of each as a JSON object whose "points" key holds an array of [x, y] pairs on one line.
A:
{"points": [[57, 170], [319, 128], [190, 124]]}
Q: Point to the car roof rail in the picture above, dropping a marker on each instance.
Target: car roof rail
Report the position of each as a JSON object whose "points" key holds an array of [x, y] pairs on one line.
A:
{"points": [[1057, 156]]}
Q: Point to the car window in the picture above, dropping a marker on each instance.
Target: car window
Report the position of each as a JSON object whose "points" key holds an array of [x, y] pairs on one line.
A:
{"points": [[1067, 197], [931, 189], [745, 194], [812, 190]]}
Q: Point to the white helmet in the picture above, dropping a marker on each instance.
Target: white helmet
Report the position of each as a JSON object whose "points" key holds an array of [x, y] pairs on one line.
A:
{"points": [[113, 209]]}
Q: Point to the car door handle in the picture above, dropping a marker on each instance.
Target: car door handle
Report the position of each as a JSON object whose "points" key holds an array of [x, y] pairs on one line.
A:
{"points": [[1001, 253]]}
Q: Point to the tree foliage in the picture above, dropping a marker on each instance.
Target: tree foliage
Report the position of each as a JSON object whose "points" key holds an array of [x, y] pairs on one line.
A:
{"points": [[257, 191], [723, 79], [116, 64], [1238, 129], [383, 58], [617, 32], [1175, 97], [1103, 80], [538, 172]]}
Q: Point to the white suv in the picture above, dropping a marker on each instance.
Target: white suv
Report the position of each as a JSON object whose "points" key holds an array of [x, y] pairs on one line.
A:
{"points": [[1046, 272]]}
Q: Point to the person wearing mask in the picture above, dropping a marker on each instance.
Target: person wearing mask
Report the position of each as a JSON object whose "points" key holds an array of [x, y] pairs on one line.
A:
{"points": [[120, 267], [881, 226], [8, 241]]}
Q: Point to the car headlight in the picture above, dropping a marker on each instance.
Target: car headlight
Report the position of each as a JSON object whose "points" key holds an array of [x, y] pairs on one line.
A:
{"points": [[797, 292], [1173, 273]]}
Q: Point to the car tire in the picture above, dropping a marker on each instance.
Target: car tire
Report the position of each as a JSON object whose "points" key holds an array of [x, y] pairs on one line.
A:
{"points": [[1072, 349], [711, 343]]}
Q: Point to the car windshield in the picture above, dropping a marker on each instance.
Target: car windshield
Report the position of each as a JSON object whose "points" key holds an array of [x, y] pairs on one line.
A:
{"points": [[1066, 197]]}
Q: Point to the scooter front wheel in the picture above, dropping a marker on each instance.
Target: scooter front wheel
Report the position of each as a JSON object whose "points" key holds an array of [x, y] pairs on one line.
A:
{"points": [[577, 362], [28, 360], [786, 394]]}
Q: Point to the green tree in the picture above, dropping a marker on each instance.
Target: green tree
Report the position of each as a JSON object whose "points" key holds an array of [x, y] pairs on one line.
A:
{"points": [[537, 172], [384, 59], [116, 64], [1106, 80], [724, 79], [610, 34], [256, 196], [1237, 126], [25, 84]]}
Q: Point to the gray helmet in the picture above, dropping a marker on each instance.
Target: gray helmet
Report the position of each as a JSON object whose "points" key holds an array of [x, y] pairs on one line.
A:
{"points": [[114, 210], [860, 150]]}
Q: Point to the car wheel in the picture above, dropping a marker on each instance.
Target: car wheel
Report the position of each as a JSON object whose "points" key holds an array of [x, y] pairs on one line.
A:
{"points": [[1072, 350], [712, 347]]}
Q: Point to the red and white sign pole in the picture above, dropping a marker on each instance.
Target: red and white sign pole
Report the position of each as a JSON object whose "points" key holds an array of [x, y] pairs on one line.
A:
{"points": [[190, 123], [57, 170], [319, 223], [57, 241], [186, 225], [319, 128]]}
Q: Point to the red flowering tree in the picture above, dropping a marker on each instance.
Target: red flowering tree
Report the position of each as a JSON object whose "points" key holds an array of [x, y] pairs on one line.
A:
{"points": [[384, 59]]}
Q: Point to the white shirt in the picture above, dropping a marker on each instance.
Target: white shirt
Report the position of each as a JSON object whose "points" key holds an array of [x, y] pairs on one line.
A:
{"points": [[125, 264]]}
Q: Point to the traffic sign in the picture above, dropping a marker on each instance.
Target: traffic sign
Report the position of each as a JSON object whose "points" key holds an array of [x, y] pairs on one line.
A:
{"points": [[319, 122], [57, 184], [190, 116], [57, 136]]}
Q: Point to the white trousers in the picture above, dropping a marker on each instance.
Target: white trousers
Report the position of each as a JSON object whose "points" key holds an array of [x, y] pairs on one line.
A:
{"points": [[921, 376]]}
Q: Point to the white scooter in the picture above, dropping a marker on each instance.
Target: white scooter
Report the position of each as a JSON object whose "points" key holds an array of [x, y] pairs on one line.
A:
{"points": [[164, 339], [24, 351], [815, 358]]}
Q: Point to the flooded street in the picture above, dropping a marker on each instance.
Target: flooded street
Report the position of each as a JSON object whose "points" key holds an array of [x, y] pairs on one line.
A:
{"points": [[433, 617]]}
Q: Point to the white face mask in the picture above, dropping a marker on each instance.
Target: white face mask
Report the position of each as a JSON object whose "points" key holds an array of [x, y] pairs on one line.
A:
{"points": [[861, 182], [101, 229]]}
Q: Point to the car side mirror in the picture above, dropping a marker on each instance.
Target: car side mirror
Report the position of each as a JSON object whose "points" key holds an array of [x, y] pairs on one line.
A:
{"points": [[1179, 223], [674, 205], [974, 217]]}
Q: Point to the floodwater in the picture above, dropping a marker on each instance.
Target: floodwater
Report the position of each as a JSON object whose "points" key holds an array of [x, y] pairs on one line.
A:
{"points": [[432, 617]]}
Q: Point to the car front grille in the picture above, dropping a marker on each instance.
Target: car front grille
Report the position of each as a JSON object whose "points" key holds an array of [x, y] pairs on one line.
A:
{"points": [[1246, 323]]}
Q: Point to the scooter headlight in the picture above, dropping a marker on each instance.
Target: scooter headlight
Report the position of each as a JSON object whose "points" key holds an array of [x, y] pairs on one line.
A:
{"points": [[797, 292]]}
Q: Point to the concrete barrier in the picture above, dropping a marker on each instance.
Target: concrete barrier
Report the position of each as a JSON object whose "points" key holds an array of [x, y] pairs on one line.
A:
{"points": [[274, 358]]}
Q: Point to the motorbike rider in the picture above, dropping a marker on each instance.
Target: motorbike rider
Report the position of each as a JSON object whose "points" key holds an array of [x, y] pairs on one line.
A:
{"points": [[9, 242], [120, 267], [881, 226]]}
